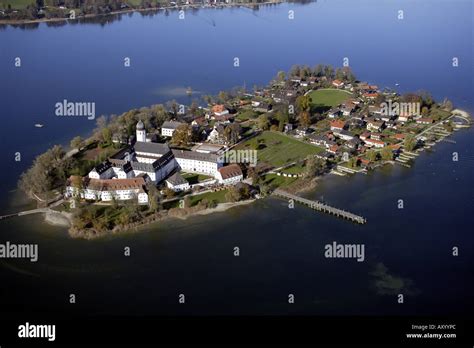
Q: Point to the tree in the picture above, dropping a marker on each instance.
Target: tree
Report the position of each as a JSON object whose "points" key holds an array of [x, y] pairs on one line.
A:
{"points": [[223, 97], [183, 135], [232, 133], [281, 76], [329, 71], [106, 135], [303, 103], [208, 99], [153, 197], [387, 153], [283, 118], [352, 162], [101, 122], [318, 70], [410, 142], [295, 71], [233, 194], [314, 166], [263, 122], [372, 155], [305, 119]]}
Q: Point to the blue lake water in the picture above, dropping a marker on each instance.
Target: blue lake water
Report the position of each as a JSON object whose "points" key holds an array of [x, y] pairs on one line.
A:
{"points": [[281, 249]]}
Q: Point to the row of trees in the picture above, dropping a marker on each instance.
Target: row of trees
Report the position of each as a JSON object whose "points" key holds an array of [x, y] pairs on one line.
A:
{"points": [[48, 171], [320, 70]]}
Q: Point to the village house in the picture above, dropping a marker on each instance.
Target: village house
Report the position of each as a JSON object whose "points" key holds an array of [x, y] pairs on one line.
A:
{"points": [[333, 149], [177, 183], [219, 110], [199, 122], [376, 136], [343, 134], [217, 135], [374, 143], [229, 175], [353, 143], [288, 127], [263, 107], [376, 126], [168, 128], [334, 113], [364, 136], [399, 136], [338, 83], [405, 117], [301, 132], [337, 125]]}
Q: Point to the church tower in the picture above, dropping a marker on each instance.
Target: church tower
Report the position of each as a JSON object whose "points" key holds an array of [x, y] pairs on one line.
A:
{"points": [[141, 132]]}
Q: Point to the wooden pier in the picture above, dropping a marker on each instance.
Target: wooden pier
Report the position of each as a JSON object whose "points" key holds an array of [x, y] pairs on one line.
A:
{"points": [[321, 207], [27, 212]]}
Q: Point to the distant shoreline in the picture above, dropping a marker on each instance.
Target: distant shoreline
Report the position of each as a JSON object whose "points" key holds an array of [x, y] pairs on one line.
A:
{"points": [[90, 16]]}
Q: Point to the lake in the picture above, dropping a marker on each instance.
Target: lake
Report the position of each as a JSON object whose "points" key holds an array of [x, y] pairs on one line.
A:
{"points": [[282, 249]]}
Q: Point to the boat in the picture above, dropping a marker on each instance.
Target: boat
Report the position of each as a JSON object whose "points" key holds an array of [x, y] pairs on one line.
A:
{"points": [[39, 125]]}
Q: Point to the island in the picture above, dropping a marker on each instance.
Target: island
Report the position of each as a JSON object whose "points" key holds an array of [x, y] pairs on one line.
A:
{"points": [[172, 160]]}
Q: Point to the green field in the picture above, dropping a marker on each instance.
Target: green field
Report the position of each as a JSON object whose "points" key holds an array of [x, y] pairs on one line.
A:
{"points": [[277, 150], [278, 181], [193, 178], [16, 4], [218, 197], [324, 99]]}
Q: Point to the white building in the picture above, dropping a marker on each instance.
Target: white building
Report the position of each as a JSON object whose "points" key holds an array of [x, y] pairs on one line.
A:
{"points": [[229, 175], [197, 162], [141, 132], [107, 189], [168, 128], [177, 183], [154, 160]]}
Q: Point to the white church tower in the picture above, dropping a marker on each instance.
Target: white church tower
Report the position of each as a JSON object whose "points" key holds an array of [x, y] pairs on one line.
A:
{"points": [[141, 132]]}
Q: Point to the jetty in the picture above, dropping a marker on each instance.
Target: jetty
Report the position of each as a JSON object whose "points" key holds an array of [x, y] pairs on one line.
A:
{"points": [[26, 212], [322, 207]]}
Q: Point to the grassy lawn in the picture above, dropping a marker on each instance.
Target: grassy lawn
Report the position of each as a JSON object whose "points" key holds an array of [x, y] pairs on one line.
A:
{"points": [[278, 181], [193, 178], [16, 4], [218, 196], [296, 169], [324, 99], [277, 149], [247, 115]]}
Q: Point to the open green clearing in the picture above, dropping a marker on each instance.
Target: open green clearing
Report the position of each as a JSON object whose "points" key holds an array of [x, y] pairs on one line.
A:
{"points": [[193, 178], [324, 99], [278, 181], [278, 149], [218, 197]]}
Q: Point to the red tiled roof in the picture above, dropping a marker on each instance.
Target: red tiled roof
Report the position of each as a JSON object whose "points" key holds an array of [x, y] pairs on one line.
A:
{"points": [[230, 171], [338, 124]]}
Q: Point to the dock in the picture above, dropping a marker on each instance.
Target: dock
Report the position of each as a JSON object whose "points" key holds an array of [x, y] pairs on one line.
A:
{"points": [[316, 205]]}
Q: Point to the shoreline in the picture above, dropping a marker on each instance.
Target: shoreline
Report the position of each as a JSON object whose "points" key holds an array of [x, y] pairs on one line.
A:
{"points": [[152, 9], [64, 219]]}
